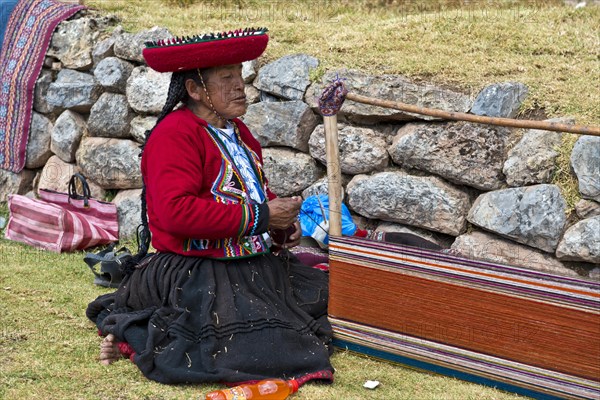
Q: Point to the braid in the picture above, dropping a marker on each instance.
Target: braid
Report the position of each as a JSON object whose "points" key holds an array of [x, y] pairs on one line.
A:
{"points": [[210, 103], [177, 94]]}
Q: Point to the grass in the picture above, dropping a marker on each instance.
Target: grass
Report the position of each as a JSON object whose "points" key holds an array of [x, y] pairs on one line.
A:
{"points": [[50, 349], [563, 176]]}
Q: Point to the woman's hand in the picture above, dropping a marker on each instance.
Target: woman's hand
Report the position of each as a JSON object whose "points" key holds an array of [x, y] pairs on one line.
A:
{"points": [[294, 239], [283, 221], [283, 212], [287, 238]]}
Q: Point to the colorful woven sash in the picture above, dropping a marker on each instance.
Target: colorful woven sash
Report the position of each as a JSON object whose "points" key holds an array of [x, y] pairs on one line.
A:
{"points": [[26, 40]]}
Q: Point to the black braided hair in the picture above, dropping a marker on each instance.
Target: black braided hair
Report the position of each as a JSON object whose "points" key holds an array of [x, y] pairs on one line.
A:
{"points": [[177, 94]]}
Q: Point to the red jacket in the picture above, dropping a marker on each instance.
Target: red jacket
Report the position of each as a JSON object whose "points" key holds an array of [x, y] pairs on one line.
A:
{"points": [[196, 205]]}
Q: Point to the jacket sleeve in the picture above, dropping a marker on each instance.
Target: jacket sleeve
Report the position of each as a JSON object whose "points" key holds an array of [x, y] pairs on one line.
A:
{"points": [[173, 166]]}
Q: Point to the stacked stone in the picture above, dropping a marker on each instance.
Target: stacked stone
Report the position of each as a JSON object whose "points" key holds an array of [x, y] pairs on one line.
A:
{"points": [[483, 190]]}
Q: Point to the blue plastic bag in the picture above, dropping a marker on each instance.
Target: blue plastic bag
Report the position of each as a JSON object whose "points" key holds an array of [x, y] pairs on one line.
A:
{"points": [[311, 216]]}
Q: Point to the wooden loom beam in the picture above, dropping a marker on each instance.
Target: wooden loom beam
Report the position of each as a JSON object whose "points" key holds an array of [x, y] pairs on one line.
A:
{"points": [[331, 140], [458, 116], [334, 175]]}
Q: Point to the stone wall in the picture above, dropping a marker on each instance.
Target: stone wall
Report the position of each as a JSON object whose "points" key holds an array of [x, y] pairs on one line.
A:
{"points": [[484, 191]]}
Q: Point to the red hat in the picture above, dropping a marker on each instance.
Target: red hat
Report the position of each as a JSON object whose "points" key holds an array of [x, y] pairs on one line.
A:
{"points": [[205, 51]]}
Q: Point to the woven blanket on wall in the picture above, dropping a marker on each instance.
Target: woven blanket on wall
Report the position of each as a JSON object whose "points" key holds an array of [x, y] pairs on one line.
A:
{"points": [[26, 39], [517, 329]]}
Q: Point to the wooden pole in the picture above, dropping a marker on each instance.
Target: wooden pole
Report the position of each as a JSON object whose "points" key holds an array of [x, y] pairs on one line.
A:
{"points": [[458, 116], [334, 176]]}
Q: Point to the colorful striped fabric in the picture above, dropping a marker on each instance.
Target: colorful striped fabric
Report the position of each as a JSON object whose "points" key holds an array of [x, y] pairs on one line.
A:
{"points": [[57, 223], [521, 330], [26, 40]]}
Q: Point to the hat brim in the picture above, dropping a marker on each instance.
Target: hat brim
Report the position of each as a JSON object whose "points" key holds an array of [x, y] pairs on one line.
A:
{"points": [[225, 51]]}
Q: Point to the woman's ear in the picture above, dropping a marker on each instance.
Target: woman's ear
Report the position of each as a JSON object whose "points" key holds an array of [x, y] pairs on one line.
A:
{"points": [[194, 90]]}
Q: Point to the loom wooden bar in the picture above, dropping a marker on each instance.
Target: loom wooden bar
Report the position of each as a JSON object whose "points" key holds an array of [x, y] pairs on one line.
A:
{"points": [[334, 175], [458, 116], [537, 321]]}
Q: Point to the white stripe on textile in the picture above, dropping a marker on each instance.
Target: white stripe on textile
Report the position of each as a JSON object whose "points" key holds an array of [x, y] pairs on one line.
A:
{"points": [[495, 368]]}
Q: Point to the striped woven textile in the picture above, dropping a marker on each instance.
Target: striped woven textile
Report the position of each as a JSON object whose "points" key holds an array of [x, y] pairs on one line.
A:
{"points": [[57, 223], [521, 330], [26, 40]]}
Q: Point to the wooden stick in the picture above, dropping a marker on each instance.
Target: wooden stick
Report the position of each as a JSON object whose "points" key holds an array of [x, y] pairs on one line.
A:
{"points": [[334, 176], [458, 116]]}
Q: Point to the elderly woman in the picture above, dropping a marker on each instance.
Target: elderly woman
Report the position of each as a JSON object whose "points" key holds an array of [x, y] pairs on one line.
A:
{"points": [[215, 303]]}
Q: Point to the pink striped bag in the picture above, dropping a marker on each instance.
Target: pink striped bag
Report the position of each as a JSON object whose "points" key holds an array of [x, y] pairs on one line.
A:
{"points": [[62, 222]]}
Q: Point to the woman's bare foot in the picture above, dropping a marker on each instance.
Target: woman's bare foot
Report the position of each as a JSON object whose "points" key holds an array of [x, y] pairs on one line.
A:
{"points": [[109, 351]]}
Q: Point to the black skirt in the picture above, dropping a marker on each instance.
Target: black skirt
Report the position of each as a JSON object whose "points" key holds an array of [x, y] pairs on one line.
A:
{"points": [[202, 320]]}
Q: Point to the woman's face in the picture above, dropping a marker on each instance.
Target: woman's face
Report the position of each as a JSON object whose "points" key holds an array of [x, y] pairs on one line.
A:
{"points": [[225, 87]]}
